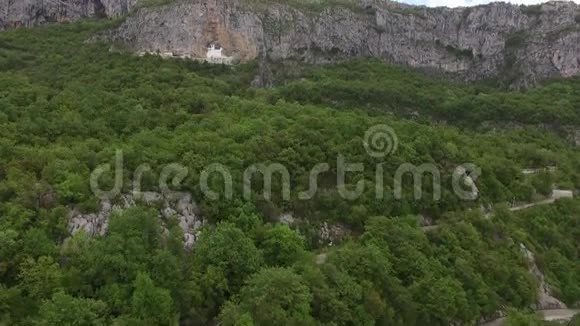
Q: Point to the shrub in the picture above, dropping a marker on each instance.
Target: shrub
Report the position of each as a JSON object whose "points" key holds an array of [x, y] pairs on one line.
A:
{"points": [[515, 40], [534, 10]]}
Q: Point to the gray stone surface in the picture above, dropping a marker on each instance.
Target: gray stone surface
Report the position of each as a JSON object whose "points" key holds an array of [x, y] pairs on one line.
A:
{"points": [[546, 300], [183, 208], [522, 45], [16, 13]]}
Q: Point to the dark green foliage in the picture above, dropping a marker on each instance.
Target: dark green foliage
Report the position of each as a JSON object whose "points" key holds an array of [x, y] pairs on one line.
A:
{"points": [[228, 249], [64, 309], [370, 84], [151, 305], [467, 53], [223, 260], [272, 297], [533, 10], [554, 234], [543, 183], [154, 3], [516, 39], [40, 278], [66, 106], [282, 246]]}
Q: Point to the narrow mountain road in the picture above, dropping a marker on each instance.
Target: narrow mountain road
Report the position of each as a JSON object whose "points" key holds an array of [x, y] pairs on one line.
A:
{"points": [[548, 315], [530, 205], [559, 314], [548, 201], [557, 194]]}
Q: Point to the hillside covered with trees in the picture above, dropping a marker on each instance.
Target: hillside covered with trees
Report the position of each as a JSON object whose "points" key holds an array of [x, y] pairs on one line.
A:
{"points": [[68, 105]]}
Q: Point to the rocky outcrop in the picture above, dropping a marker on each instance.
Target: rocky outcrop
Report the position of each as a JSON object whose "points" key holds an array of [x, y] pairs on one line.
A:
{"points": [[546, 300], [182, 208], [286, 218], [573, 135], [520, 44], [16, 13], [331, 234]]}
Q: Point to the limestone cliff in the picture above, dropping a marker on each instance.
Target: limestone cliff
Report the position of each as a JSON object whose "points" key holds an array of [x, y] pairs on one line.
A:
{"points": [[183, 208], [16, 13], [546, 299], [520, 45]]}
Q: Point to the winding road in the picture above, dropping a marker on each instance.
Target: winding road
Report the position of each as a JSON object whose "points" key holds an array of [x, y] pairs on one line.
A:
{"points": [[549, 315], [557, 194]]}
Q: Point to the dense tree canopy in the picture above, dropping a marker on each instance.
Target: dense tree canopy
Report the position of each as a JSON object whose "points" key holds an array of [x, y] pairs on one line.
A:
{"points": [[67, 106]]}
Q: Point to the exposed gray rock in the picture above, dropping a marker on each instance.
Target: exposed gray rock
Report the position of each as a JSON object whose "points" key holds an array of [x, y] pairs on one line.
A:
{"points": [[183, 208], [331, 234], [425, 221], [573, 135], [522, 45], [546, 300], [93, 224], [16, 13], [286, 218]]}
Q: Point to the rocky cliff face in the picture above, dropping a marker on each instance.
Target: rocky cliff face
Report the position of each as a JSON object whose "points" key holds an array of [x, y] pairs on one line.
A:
{"points": [[520, 45], [183, 208], [545, 300], [16, 13]]}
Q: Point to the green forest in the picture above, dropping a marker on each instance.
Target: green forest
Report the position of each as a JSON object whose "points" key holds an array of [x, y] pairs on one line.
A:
{"points": [[68, 105]]}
